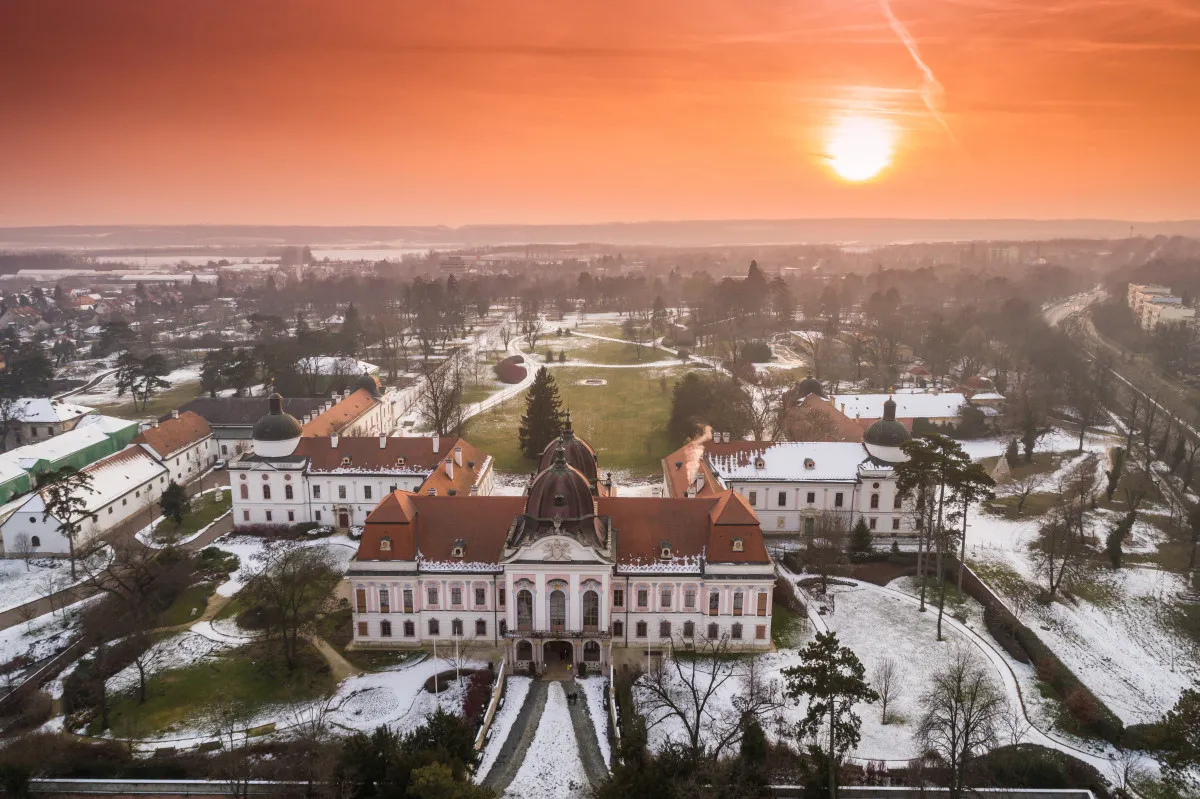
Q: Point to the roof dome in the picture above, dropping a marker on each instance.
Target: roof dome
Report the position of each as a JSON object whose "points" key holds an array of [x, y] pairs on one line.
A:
{"points": [[577, 452], [276, 433], [809, 385], [559, 491], [884, 439], [368, 382]]}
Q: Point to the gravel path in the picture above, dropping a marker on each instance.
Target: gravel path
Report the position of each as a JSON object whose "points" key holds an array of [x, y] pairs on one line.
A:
{"points": [[585, 736], [512, 754]]}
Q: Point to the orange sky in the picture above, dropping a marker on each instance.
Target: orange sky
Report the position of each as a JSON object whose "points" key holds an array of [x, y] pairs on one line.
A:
{"points": [[445, 112]]}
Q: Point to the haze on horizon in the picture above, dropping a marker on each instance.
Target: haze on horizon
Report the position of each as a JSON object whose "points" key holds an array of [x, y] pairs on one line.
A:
{"points": [[316, 112]]}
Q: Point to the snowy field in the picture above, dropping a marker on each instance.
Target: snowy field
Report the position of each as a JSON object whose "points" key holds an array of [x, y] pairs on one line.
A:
{"points": [[515, 691], [397, 697], [43, 636], [20, 584], [105, 392], [552, 768], [247, 547]]}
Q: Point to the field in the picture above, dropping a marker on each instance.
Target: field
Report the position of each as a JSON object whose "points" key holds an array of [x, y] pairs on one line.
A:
{"points": [[159, 405], [625, 419]]}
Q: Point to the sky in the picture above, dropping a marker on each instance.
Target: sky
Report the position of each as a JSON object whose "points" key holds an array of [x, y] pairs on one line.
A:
{"points": [[448, 112]]}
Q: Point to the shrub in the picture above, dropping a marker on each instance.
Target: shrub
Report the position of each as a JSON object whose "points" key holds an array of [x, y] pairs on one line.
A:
{"points": [[479, 694], [1146, 737], [581, 669], [1035, 767], [1004, 634], [756, 352], [1082, 707], [263, 530]]}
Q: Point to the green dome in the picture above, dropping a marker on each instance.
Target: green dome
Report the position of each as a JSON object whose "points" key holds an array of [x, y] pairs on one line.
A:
{"points": [[368, 382], [277, 425]]}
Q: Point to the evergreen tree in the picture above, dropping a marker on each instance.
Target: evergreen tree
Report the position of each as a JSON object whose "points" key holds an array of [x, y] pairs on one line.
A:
{"points": [[543, 415], [861, 541], [175, 503], [1181, 732], [64, 496]]}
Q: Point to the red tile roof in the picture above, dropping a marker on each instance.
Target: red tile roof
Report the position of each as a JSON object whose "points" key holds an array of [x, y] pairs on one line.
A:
{"points": [[338, 417], [816, 419], [415, 522], [174, 434]]}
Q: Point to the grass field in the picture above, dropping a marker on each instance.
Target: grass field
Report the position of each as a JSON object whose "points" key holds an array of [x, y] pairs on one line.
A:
{"points": [[625, 420], [159, 405], [188, 606], [206, 509], [252, 677]]}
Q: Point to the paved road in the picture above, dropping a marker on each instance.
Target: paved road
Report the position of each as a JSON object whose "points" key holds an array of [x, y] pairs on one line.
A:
{"points": [[585, 737]]}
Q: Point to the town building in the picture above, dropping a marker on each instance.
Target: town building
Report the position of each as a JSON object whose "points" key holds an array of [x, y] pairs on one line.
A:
{"points": [[35, 419], [1153, 305], [93, 437], [790, 484], [566, 574], [122, 485], [184, 444], [232, 419], [291, 477]]}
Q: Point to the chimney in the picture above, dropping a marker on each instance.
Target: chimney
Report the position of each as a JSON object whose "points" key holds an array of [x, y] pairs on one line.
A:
{"points": [[436, 443], [841, 407], [333, 395], [175, 414], [156, 423], [383, 442], [333, 441], [474, 490], [450, 468], [432, 492], [458, 456]]}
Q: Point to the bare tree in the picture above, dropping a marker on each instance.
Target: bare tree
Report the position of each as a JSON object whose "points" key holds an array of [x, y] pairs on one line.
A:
{"points": [[294, 585], [440, 400], [818, 347], [887, 678], [1059, 557], [826, 545], [1014, 725], [964, 713], [532, 328], [765, 411], [506, 333], [1023, 487], [1127, 771], [23, 548]]}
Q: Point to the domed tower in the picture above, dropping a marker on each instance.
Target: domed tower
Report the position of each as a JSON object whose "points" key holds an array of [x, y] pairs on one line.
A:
{"points": [[809, 385], [368, 382], [276, 434], [577, 452], [883, 439], [560, 494]]}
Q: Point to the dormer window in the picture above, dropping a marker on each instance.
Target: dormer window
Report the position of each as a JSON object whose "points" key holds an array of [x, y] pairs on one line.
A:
{"points": [[400, 461], [737, 545], [664, 549], [459, 549], [759, 463], [809, 463], [385, 544], [560, 500], [345, 461]]}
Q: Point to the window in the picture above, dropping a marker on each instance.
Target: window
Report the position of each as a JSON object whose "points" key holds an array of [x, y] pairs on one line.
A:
{"points": [[456, 595], [898, 502], [480, 595], [288, 493], [317, 515], [224, 449], [480, 627], [268, 515], [503, 627], [689, 598], [618, 629], [737, 603], [360, 600], [619, 597], [811, 498], [643, 597], [266, 492], [456, 627], [735, 632], [524, 650], [524, 609], [666, 597], [591, 609], [762, 603], [362, 629], [410, 629], [874, 501], [809, 524], [895, 524], [737, 545], [753, 497], [385, 629], [641, 629], [434, 627], [591, 652], [341, 492], [385, 601], [664, 629], [837, 499], [316, 492], [35, 541], [713, 632], [872, 522], [782, 498], [291, 516], [408, 600], [689, 629], [503, 595], [245, 513], [760, 632], [431, 595], [558, 610], [714, 603], [244, 491]]}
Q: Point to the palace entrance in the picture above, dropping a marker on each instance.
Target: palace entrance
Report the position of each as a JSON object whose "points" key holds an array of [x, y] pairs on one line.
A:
{"points": [[558, 655]]}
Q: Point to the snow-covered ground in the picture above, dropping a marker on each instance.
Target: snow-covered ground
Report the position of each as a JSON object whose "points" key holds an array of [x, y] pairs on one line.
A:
{"points": [[397, 697], [247, 547], [173, 652], [43, 636], [552, 768], [147, 537], [515, 691], [105, 392], [21, 582], [597, 699]]}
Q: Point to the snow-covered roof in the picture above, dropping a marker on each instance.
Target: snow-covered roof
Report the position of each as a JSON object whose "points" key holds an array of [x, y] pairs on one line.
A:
{"points": [[816, 461], [908, 406], [987, 395], [335, 365], [112, 478], [35, 410], [105, 424], [59, 447], [10, 469]]}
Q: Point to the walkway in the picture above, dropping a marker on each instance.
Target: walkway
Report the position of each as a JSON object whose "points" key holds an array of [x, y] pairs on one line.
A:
{"points": [[512, 754], [585, 736]]}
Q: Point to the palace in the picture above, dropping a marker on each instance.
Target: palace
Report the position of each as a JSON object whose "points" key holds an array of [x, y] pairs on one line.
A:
{"points": [[566, 572]]}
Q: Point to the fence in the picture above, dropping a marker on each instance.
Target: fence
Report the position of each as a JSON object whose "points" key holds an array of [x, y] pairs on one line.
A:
{"points": [[497, 693]]}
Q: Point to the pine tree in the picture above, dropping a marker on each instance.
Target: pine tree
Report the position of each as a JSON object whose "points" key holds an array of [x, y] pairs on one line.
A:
{"points": [[175, 503], [543, 415], [861, 541]]}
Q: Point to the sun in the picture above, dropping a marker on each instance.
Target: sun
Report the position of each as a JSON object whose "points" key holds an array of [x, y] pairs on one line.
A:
{"points": [[860, 147]]}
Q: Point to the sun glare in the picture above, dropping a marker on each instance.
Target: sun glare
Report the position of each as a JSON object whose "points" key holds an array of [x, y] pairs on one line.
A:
{"points": [[860, 147]]}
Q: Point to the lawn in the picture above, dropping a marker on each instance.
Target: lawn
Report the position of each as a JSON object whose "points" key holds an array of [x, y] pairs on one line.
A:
{"points": [[159, 405], [188, 606], [206, 509], [253, 678], [625, 420]]}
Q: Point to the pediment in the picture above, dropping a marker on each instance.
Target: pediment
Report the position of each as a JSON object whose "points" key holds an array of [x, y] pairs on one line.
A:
{"points": [[557, 549]]}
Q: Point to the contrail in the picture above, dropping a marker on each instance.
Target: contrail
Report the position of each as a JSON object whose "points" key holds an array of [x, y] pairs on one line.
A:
{"points": [[931, 90]]}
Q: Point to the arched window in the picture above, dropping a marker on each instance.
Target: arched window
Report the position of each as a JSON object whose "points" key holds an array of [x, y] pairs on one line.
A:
{"points": [[35, 541], [525, 610], [524, 650], [591, 652], [558, 609], [591, 609], [287, 492], [245, 491], [266, 492]]}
